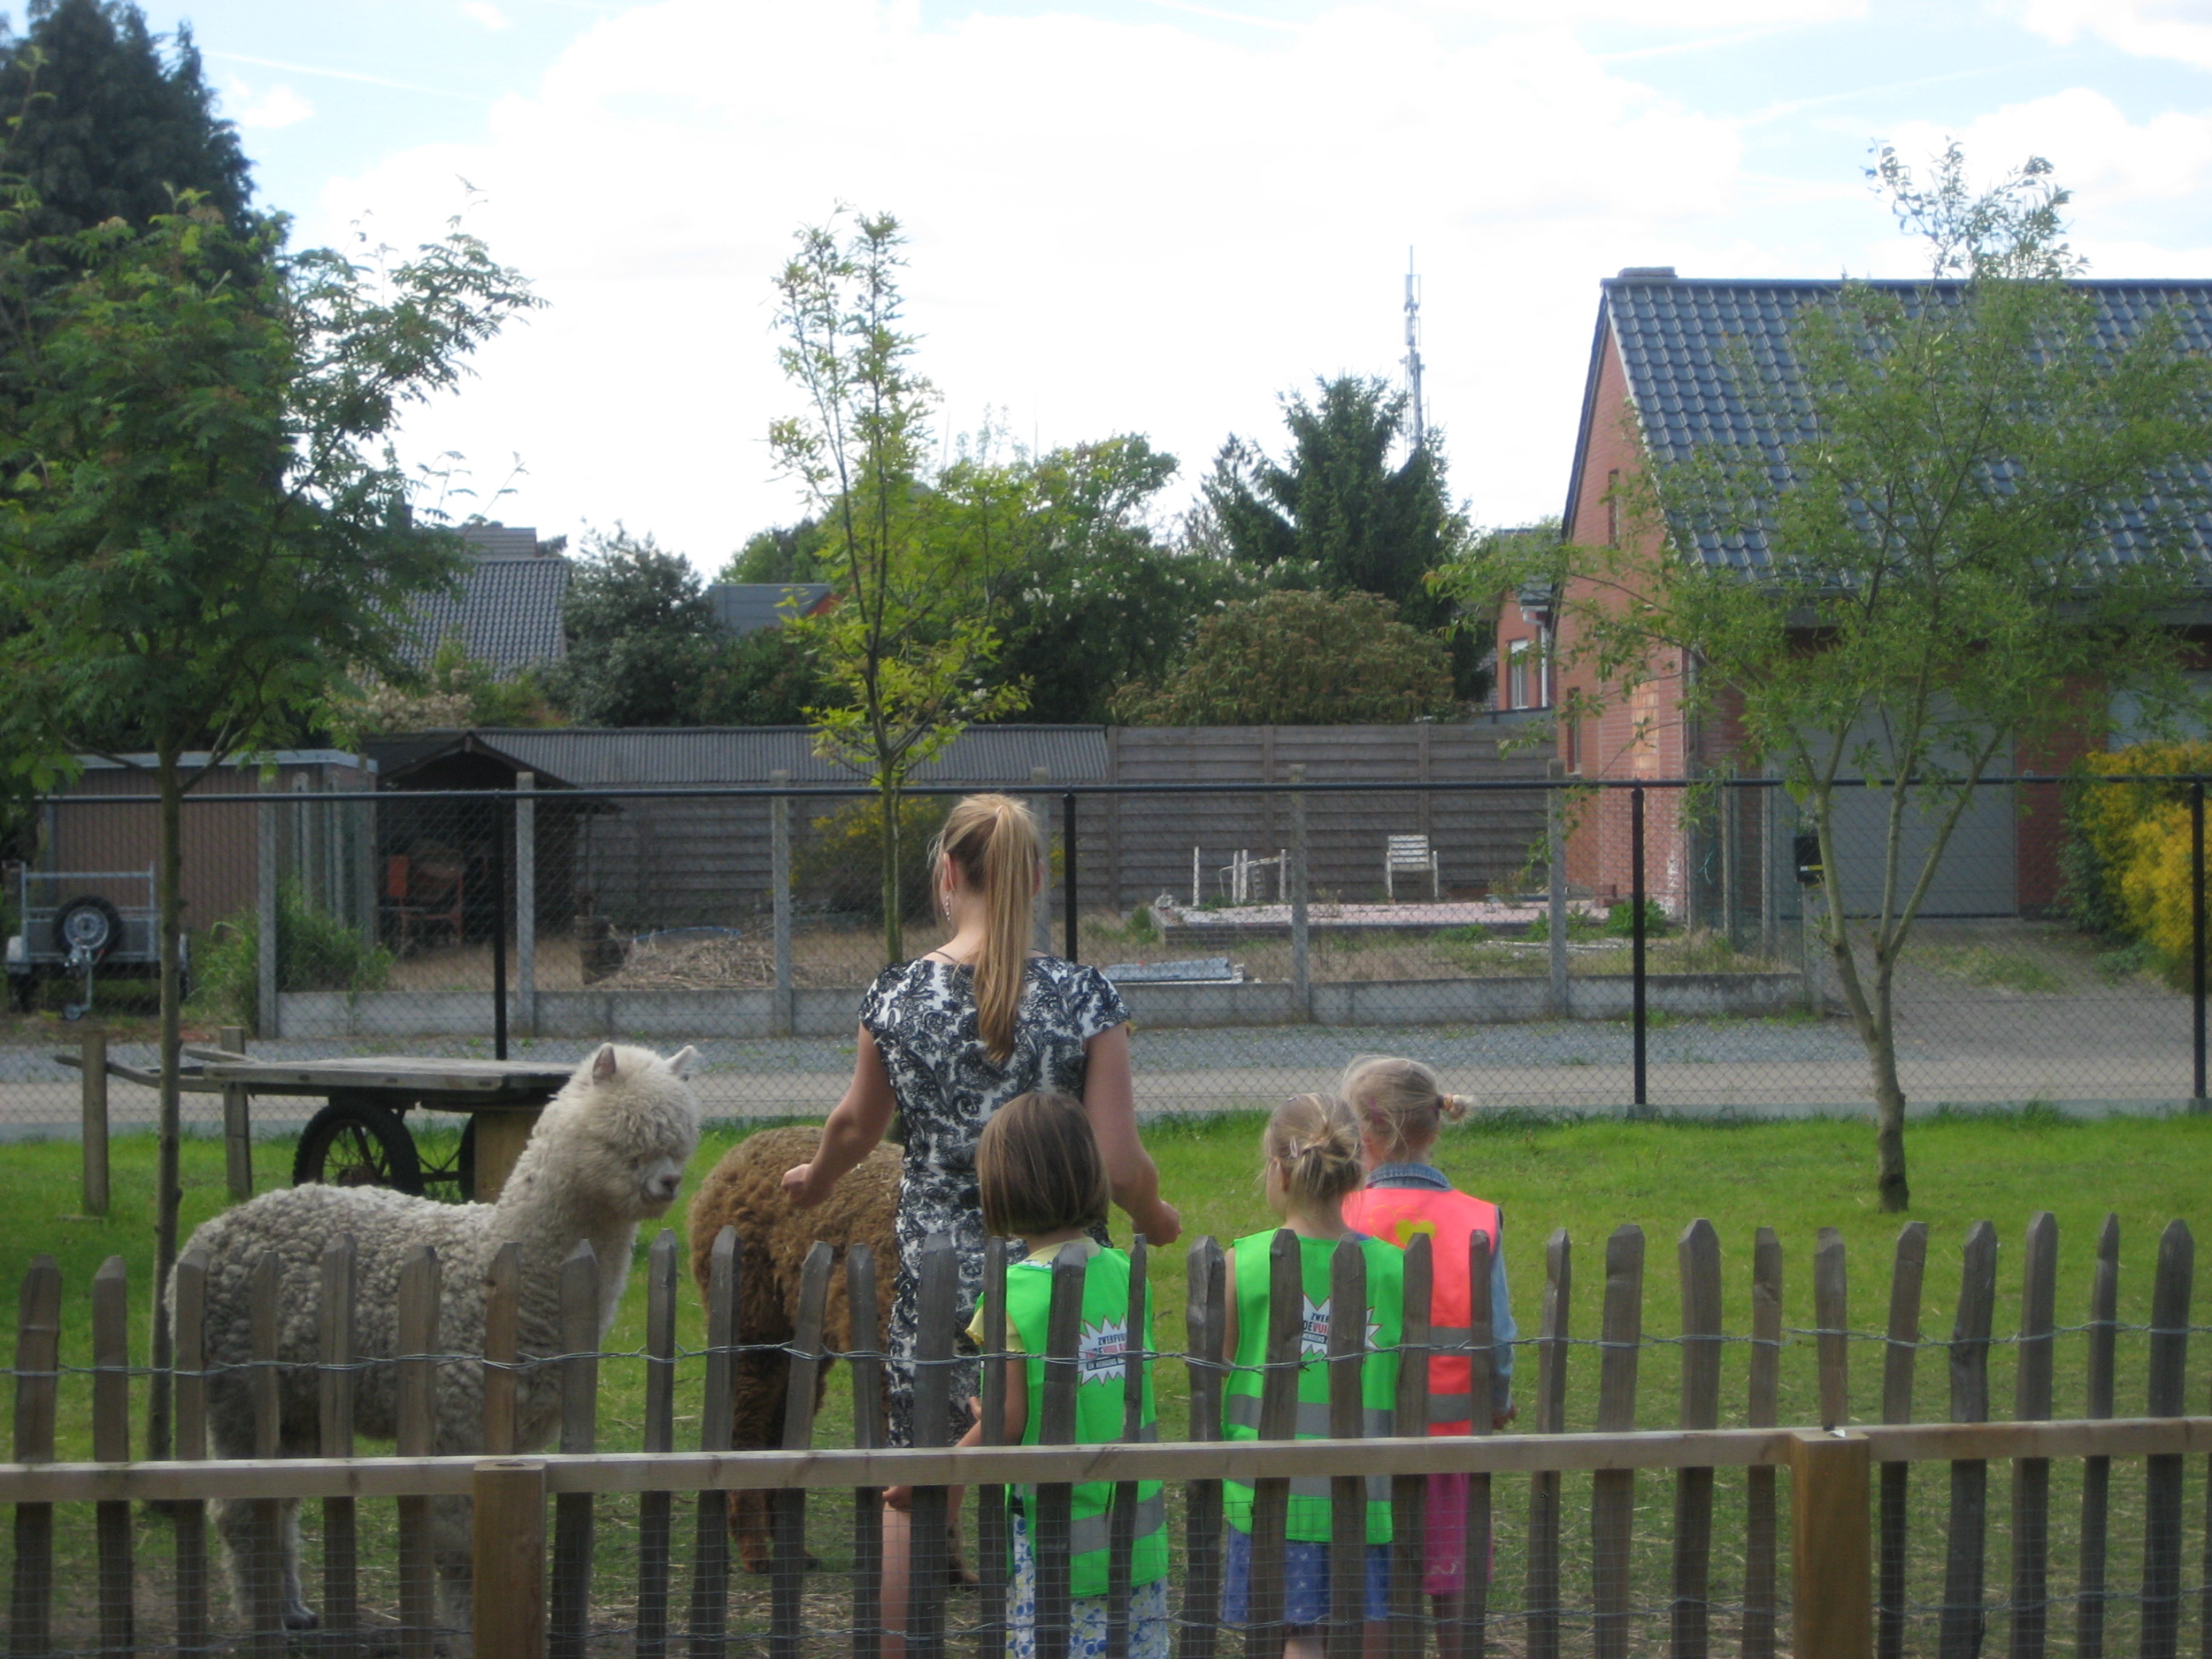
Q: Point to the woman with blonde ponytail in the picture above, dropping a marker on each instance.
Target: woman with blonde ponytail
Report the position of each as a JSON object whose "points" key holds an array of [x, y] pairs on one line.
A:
{"points": [[947, 1039]]}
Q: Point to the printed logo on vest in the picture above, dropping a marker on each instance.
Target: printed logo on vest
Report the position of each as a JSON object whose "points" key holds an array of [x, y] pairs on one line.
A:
{"points": [[1101, 1354], [1313, 1330]]}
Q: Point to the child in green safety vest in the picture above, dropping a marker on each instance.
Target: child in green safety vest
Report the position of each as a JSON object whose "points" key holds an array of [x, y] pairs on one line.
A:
{"points": [[1312, 1150], [1041, 1181]]}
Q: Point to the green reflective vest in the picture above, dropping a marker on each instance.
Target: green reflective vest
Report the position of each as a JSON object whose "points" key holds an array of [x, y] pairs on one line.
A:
{"points": [[1378, 1374], [1101, 1358]]}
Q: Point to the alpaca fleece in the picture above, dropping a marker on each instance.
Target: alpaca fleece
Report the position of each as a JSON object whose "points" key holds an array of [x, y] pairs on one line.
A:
{"points": [[746, 1191], [607, 1154]]}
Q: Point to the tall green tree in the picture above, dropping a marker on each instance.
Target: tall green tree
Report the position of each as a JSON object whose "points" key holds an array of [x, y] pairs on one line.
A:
{"points": [[1941, 553], [1342, 498], [1100, 601], [202, 525], [111, 126], [919, 570], [642, 635]]}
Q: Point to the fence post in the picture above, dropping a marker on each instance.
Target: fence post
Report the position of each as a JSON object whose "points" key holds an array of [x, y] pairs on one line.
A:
{"points": [[1555, 861], [2197, 937], [1636, 937], [509, 1515], [1301, 940], [1067, 849], [1041, 779], [237, 1124], [267, 1011], [501, 827], [783, 1014], [92, 1082], [1833, 1596], [526, 900]]}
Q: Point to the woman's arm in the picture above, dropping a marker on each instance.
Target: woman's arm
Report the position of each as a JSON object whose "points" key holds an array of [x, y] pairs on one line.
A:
{"points": [[852, 1129], [1109, 1100]]}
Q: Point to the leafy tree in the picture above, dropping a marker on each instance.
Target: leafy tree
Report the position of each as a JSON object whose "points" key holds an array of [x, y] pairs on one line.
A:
{"points": [[905, 649], [456, 690], [769, 677], [1099, 603], [1336, 501], [642, 635], [110, 127], [1955, 456], [1294, 657], [201, 520], [788, 553]]}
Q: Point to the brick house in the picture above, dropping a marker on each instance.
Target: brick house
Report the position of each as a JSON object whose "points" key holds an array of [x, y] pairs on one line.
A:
{"points": [[1659, 380]]}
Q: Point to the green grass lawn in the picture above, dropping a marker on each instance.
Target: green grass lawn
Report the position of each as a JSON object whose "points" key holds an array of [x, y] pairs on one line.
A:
{"points": [[1588, 1178]]}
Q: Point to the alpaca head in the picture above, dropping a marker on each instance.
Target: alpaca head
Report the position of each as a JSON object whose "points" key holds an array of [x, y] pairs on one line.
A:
{"points": [[617, 1136]]}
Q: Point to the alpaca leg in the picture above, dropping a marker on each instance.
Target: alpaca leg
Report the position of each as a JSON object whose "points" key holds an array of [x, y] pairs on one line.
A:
{"points": [[298, 1615], [451, 1549], [758, 1387]]}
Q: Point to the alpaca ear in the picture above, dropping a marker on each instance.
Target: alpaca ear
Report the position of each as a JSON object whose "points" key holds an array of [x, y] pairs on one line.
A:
{"points": [[603, 1063], [681, 1064]]}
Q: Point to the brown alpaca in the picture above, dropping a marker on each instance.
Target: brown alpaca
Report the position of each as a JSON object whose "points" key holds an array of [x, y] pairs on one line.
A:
{"points": [[746, 1191]]}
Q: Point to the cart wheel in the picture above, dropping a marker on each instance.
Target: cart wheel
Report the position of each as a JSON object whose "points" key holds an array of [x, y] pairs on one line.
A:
{"points": [[456, 1180], [357, 1143]]}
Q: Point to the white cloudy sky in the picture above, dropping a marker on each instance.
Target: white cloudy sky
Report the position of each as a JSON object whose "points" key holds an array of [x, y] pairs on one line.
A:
{"points": [[1153, 215]]}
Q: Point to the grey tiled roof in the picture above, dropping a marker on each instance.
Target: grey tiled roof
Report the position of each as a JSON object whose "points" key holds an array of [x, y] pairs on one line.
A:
{"points": [[1677, 338], [506, 611], [747, 607]]}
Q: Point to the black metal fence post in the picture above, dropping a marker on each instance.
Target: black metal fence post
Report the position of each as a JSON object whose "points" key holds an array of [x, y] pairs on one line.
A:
{"points": [[1636, 933], [2196, 933], [1067, 920], [503, 827]]}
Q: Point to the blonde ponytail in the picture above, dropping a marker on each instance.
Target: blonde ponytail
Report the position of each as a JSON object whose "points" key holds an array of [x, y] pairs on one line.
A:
{"points": [[993, 841], [1316, 1142], [1399, 1104]]}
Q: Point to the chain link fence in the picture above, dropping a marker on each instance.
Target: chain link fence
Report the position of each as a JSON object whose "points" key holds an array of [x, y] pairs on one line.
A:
{"points": [[1549, 947]]}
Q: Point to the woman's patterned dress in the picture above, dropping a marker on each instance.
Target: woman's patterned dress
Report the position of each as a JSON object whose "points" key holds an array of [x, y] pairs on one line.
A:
{"points": [[922, 1016]]}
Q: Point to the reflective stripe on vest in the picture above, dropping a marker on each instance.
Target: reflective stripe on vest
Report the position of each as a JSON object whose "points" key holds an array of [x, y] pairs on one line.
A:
{"points": [[1402, 1214], [1309, 1519], [1100, 1355]]}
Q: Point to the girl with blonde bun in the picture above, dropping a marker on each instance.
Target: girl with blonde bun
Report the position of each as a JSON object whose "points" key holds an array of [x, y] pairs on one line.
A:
{"points": [[1311, 1148], [1400, 1109]]}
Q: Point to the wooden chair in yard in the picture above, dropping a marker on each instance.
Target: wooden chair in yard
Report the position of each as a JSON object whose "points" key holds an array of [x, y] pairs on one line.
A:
{"points": [[425, 893], [1410, 855]]}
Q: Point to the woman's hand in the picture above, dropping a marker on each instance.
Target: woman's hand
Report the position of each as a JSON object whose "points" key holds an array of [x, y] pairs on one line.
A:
{"points": [[1163, 1226], [898, 1497], [799, 1187]]}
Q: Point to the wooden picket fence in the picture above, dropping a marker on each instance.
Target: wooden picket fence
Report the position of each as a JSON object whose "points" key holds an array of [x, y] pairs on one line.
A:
{"points": [[1850, 1513]]}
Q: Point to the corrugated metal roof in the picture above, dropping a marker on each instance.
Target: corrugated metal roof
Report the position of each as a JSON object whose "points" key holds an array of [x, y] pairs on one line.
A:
{"points": [[747, 607], [711, 755], [507, 612], [1676, 338]]}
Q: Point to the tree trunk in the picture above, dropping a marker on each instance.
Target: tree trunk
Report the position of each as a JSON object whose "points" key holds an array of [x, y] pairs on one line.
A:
{"points": [[894, 910], [168, 1189], [1888, 1094]]}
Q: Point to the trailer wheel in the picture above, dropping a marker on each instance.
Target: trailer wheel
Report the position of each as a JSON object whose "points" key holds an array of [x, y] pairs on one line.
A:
{"points": [[91, 922], [357, 1143]]}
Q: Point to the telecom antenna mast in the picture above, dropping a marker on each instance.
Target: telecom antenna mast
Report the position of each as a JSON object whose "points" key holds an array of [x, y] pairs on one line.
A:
{"points": [[1414, 353]]}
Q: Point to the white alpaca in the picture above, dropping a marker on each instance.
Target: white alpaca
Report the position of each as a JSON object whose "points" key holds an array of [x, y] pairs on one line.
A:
{"points": [[607, 1154]]}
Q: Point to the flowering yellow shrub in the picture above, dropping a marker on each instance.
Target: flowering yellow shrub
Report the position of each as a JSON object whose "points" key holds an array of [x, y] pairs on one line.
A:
{"points": [[2130, 869]]}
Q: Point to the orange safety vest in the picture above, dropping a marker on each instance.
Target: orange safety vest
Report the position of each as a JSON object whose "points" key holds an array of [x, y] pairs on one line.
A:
{"points": [[1399, 1215]]}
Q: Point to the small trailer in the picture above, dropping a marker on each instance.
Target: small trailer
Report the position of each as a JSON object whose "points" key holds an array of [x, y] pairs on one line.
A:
{"points": [[68, 927]]}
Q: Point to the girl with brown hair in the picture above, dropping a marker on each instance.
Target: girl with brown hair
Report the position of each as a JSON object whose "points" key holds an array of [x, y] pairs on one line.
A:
{"points": [[948, 1038]]}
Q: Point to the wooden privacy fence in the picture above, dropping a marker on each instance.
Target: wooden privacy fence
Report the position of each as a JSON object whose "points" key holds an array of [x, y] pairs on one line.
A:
{"points": [[1841, 1585]]}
